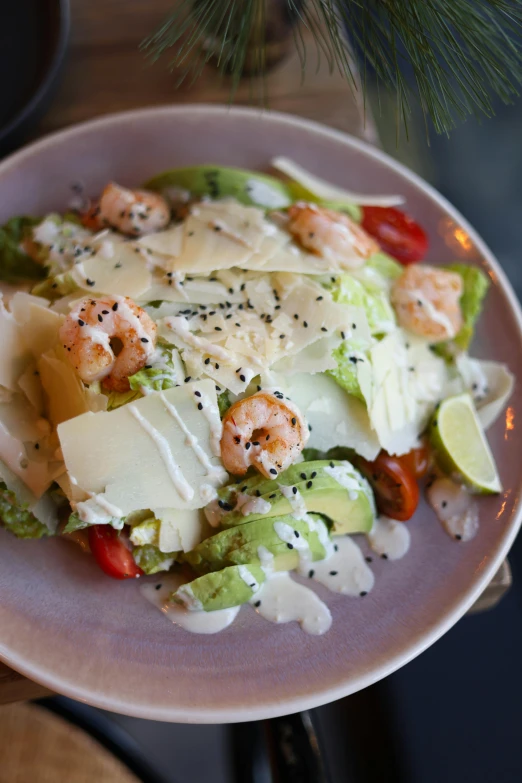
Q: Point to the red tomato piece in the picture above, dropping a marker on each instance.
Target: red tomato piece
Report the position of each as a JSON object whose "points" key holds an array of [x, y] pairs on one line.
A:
{"points": [[417, 461], [396, 232], [111, 554], [396, 490]]}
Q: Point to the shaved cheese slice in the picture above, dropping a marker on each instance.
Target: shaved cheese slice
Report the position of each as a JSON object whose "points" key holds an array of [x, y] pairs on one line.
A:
{"points": [[120, 271], [39, 328], [14, 354], [335, 417], [490, 383], [29, 382], [245, 225], [196, 290], [157, 452], [180, 529], [19, 304], [327, 192], [43, 508], [20, 429], [408, 381], [314, 358], [205, 249], [66, 396], [167, 243]]}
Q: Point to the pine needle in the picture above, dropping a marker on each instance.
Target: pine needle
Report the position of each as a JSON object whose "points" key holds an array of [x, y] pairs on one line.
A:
{"points": [[452, 57]]}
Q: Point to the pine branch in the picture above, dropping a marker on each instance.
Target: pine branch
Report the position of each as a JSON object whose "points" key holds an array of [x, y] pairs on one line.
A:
{"points": [[453, 57]]}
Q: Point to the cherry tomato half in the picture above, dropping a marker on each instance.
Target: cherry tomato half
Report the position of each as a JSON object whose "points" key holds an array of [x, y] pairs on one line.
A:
{"points": [[396, 232], [417, 461], [395, 487], [111, 554]]}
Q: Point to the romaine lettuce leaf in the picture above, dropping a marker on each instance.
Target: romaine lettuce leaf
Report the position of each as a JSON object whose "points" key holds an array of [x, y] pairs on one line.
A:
{"points": [[476, 286], [375, 303], [17, 519], [348, 354], [151, 560], [164, 373], [15, 264]]}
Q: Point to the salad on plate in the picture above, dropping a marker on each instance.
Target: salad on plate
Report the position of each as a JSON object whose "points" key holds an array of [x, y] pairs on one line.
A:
{"points": [[239, 383]]}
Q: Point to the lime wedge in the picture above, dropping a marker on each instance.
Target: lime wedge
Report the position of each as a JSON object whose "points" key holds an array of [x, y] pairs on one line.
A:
{"points": [[460, 444]]}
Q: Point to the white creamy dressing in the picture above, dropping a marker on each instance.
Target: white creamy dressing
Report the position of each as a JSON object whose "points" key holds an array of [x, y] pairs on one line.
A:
{"points": [[211, 413], [282, 600], [389, 539], [181, 484], [264, 195], [195, 622], [181, 327], [248, 578], [345, 571], [214, 513], [251, 505], [191, 440], [296, 500], [346, 477], [455, 508], [431, 311]]}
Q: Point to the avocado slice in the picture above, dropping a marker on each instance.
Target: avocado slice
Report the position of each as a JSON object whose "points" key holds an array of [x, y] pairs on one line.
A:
{"points": [[283, 538], [333, 488], [231, 586], [247, 187]]}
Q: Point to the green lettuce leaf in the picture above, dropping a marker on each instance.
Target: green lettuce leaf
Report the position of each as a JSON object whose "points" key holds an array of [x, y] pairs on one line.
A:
{"points": [[74, 523], [56, 286], [375, 303], [347, 355], [151, 560], [223, 402], [385, 265], [117, 399], [476, 286], [352, 210], [15, 264], [17, 519]]}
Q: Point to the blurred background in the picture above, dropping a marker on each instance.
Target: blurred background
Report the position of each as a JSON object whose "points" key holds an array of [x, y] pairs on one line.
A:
{"points": [[454, 713]]}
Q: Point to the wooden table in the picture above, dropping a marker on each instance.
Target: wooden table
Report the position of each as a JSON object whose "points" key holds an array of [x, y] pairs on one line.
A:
{"points": [[105, 72]]}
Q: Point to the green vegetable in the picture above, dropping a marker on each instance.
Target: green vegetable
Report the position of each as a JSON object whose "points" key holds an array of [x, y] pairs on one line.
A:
{"points": [[151, 560], [248, 187], [157, 378], [223, 402], [388, 267], [352, 210], [476, 286], [117, 399], [375, 303], [55, 286], [346, 371], [74, 523], [15, 264], [17, 519]]}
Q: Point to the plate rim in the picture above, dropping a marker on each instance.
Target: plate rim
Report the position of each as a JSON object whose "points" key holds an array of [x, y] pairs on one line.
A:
{"points": [[461, 603]]}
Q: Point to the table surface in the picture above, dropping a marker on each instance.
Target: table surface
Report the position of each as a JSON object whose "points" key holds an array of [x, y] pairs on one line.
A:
{"points": [[105, 72]]}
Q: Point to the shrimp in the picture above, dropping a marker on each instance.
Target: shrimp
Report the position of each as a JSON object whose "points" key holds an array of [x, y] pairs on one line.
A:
{"points": [[88, 333], [133, 212], [330, 234], [426, 301], [265, 431]]}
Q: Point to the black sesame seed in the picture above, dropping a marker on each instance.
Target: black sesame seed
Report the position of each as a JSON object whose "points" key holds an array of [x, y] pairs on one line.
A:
{"points": [[158, 587], [324, 329], [332, 465], [148, 366], [37, 445], [363, 593], [207, 360], [290, 546], [197, 393], [336, 547], [303, 476], [311, 573], [80, 322], [273, 471], [369, 559], [217, 228], [100, 318], [354, 326], [187, 379], [258, 493], [444, 504], [247, 446], [343, 335], [267, 437], [144, 339], [257, 603], [319, 299], [200, 406], [218, 329], [216, 365], [255, 443], [314, 474], [458, 537], [296, 316], [273, 494], [242, 378], [115, 306], [384, 556], [333, 573], [237, 440], [305, 324], [308, 484], [296, 533], [105, 312], [90, 282], [294, 490], [281, 336]]}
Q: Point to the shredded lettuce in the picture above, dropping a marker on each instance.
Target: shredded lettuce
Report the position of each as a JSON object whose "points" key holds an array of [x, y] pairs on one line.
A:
{"points": [[15, 264], [74, 523], [223, 402], [375, 303], [385, 265], [17, 519], [476, 286], [162, 374], [151, 560], [347, 355], [117, 399]]}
